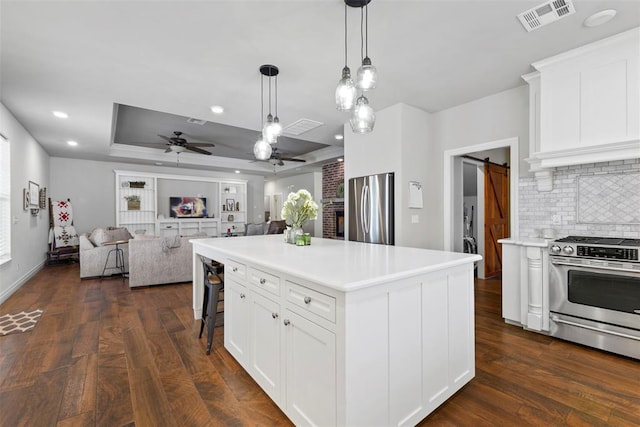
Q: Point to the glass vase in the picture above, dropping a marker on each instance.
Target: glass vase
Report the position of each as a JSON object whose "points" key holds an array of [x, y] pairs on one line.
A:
{"points": [[292, 233]]}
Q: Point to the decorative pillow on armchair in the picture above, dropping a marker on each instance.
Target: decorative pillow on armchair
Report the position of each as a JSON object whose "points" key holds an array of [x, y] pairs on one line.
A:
{"points": [[101, 235], [254, 229]]}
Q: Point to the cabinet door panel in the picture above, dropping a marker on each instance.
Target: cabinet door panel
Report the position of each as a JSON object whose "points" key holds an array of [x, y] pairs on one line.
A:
{"points": [[604, 104], [311, 372], [266, 345], [236, 320]]}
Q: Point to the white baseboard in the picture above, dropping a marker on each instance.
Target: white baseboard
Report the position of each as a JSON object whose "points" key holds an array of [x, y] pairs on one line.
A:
{"points": [[21, 281]]}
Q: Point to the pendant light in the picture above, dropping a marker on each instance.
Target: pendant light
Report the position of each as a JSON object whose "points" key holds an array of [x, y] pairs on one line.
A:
{"points": [[272, 128], [346, 89], [367, 77], [363, 118]]}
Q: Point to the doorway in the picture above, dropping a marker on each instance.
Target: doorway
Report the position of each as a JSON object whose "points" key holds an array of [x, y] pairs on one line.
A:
{"points": [[454, 202]]}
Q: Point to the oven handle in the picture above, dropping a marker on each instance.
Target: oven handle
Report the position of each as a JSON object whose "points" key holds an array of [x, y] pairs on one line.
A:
{"points": [[580, 325], [600, 267]]}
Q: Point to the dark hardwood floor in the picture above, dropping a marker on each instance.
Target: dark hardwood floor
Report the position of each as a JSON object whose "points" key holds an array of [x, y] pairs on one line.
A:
{"points": [[103, 354]]}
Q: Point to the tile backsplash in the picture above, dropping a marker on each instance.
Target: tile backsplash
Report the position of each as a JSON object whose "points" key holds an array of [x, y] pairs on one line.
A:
{"points": [[597, 199]]}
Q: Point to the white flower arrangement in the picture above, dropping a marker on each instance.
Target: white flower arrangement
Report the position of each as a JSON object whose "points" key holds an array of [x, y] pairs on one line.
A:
{"points": [[299, 208]]}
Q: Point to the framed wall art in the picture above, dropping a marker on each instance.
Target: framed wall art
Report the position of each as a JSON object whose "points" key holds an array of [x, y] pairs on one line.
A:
{"points": [[34, 195]]}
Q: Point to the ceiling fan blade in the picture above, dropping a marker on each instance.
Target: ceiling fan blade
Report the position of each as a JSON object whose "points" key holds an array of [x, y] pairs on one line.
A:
{"points": [[290, 159], [197, 150], [200, 144], [166, 138], [168, 150]]}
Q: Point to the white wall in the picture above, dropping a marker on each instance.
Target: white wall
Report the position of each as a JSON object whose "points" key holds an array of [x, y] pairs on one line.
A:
{"points": [[29, 162], [309, 181], [399, 143], [496, 117], [90, 186]]}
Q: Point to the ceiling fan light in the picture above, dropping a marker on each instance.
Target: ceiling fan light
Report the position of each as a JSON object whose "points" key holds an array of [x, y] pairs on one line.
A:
{"points": [[363, 118], [367, 77], [178, 148], [262, 149], [345, 91]]}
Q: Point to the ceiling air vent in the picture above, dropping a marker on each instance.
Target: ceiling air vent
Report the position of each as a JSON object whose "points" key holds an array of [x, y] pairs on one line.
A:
{"points": [[196, 121], [546, 13], [301, 126]]}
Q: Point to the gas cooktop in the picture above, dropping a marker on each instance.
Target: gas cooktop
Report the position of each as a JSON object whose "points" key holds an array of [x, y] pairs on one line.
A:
{"points": [[611, 241]]}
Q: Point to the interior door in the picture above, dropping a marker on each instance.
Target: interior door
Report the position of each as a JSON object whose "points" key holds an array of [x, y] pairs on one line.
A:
{"points": [[496, 216]]}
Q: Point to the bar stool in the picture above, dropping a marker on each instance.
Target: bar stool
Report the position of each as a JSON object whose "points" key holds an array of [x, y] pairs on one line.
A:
{"points": [[213, 287]]}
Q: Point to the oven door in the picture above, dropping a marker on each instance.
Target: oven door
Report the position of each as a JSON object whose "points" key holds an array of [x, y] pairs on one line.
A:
{"points": [[601, 291]]}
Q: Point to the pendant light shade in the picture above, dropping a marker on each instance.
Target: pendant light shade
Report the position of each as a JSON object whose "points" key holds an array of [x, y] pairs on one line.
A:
{"points": [[269, 132], [346, 91], [363, 118], [262, 149], [367, 77]]}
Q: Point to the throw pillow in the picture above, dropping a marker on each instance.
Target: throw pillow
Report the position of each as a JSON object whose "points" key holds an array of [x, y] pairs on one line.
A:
{"points": [[119, 233], [98, 236], [254, 229]]}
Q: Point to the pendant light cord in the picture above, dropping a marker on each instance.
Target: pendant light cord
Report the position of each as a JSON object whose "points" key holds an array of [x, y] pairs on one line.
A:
{"points": [[345, 34], [269, 95], [276, 95], [261, 101], [361, 34], [366, 31]]}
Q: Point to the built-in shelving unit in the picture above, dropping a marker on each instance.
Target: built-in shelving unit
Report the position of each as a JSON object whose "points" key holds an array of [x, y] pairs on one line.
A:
{"points": [[226, 205], [233, 206], [136, 203]]}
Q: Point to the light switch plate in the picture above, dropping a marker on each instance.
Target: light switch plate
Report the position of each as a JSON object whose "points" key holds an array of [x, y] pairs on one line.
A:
{"points": [[415, 219]]}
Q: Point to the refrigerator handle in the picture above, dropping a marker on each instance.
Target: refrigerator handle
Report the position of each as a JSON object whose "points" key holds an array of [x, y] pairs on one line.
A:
{"points": [[364, 212]]}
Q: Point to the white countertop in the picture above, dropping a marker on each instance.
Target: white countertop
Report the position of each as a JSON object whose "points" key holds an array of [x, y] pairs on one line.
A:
{"points": [[528, 241], [337, 264]]}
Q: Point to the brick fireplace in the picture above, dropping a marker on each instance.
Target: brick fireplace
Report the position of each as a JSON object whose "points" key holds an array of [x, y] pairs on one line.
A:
{"points": [[332, 176]]}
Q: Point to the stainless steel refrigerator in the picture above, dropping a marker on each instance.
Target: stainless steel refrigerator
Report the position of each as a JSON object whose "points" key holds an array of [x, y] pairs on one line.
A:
{"points": [[371, 206]]}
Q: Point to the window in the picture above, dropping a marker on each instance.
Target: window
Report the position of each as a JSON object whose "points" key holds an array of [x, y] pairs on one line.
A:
{"points": [[5, 201]]}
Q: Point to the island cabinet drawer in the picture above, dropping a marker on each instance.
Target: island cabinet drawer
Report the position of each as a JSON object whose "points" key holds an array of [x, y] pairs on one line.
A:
{"points": [[312, 301], [235, 269], [263, 280]]}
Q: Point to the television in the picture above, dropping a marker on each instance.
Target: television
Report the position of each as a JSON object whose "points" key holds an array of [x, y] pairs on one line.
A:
{"points": [[187, 207]]}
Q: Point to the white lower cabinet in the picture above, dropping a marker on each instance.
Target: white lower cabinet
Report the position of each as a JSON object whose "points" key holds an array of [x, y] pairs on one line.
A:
{"points": [[266, 332], [286, 352], [236, 320], [310, 352]]}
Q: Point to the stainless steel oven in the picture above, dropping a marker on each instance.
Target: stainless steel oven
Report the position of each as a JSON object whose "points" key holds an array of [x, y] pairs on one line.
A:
{"points": [[594, 290]]}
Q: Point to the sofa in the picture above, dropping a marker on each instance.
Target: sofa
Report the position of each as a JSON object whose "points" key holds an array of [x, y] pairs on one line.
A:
{"points": [[158, 260], [93, 252]]}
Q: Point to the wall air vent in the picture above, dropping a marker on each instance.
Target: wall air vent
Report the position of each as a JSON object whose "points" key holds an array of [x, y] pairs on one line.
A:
{"points": [[301, 126], [546, 13], [196, 121]]}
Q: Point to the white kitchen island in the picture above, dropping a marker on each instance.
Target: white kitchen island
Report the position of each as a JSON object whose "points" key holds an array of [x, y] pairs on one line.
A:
{"points": [[346, 333]]}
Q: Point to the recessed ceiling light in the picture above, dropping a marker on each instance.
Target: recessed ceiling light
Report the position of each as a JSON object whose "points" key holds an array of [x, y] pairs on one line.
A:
{"points": [[339, 137], [600, 18], [237, 171], [60, 114], [217, 109], [340, 159], [72, 143]]}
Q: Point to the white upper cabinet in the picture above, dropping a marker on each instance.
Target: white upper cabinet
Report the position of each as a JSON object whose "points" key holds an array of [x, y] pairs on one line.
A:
{"points": [[585, 104]]}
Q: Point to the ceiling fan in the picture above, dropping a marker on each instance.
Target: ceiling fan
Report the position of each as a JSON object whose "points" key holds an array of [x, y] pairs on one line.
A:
{"points": [[178, 144], [278, 158]]}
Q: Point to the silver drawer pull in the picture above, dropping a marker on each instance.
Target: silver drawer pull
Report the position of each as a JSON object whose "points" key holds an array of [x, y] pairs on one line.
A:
{"points": [[263, 281], [286, 322], [242, 296], [234, 269], [274, 315], [307, 300]]}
